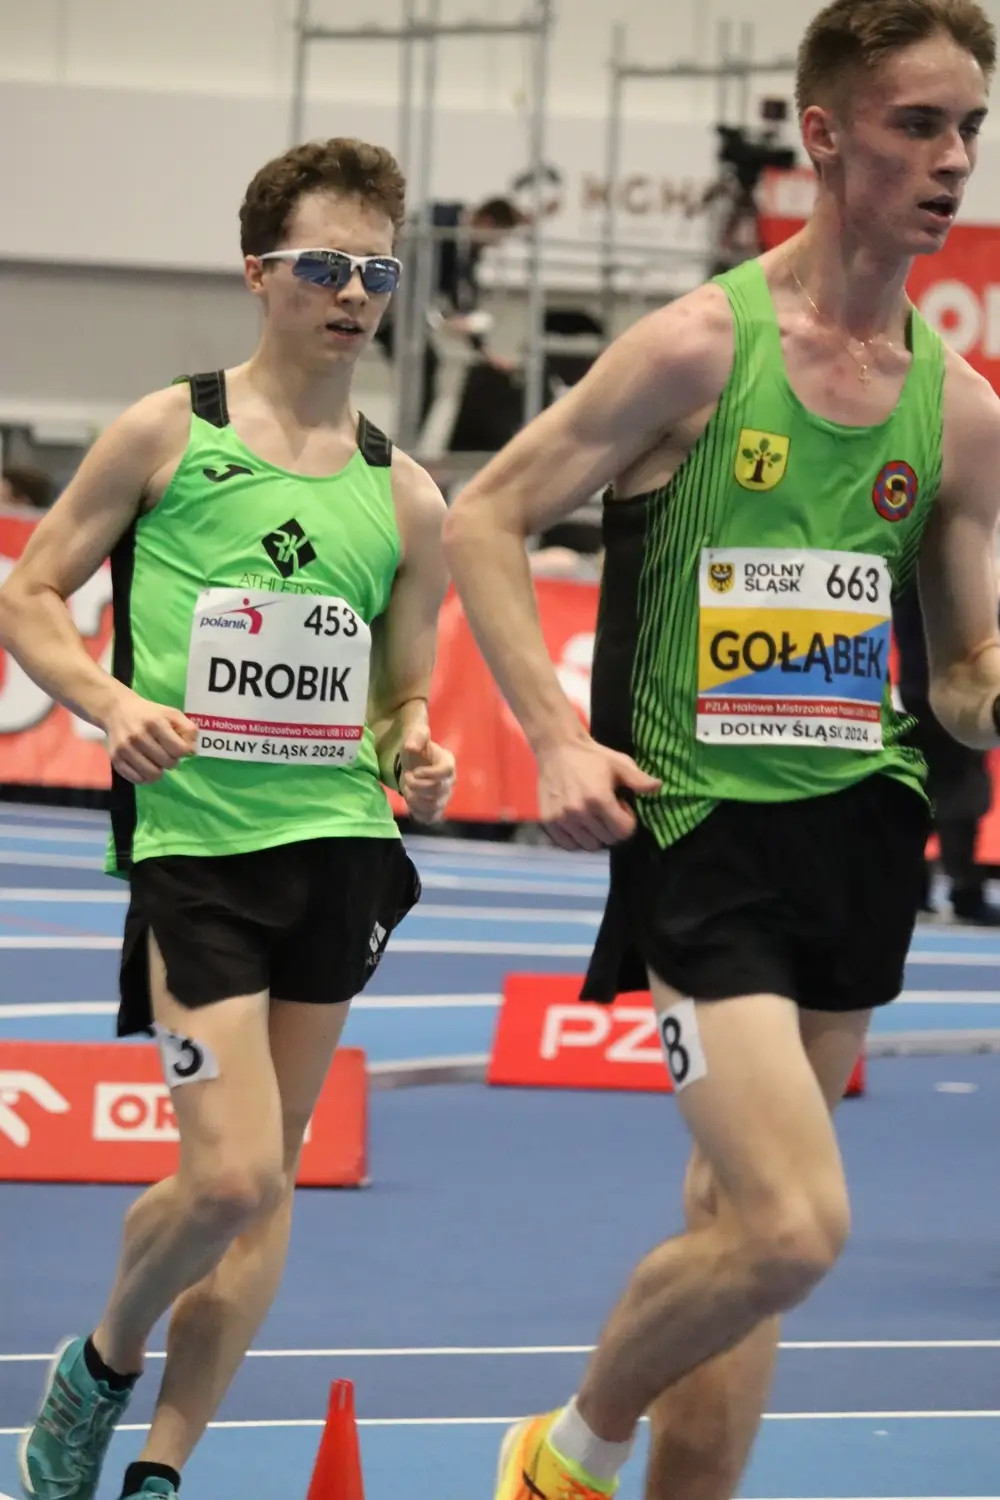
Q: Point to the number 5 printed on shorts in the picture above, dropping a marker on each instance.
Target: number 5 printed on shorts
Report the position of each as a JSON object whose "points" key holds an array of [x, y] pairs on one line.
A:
{"points": [[682, 1047]]}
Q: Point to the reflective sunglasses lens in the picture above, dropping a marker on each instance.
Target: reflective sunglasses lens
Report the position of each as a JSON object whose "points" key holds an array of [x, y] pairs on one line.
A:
{"points": [[380, 277], [318, 270]]}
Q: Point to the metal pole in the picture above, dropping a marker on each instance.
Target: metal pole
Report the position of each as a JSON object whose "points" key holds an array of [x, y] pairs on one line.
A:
{"points": [[421, 30], [702, 50], [424, 248], [692, 70], [402, 311], [407, 60], [534, 384], [612, 172], [299, 77], [746, 50], [722, 101]]}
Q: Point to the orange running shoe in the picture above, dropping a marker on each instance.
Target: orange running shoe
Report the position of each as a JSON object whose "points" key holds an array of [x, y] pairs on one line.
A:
{"points": [[531, 1469]]}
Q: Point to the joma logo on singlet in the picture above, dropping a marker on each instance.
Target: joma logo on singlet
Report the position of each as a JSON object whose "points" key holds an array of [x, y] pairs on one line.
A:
{"points": [[289, 548]]}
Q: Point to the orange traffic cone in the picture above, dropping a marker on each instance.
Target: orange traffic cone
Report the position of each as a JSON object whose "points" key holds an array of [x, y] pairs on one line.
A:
{"points": [[337, 1475]]}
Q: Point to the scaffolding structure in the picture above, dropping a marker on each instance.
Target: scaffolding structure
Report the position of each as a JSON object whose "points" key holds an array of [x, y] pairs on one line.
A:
{"points": [[732, 72], [414, 33]]}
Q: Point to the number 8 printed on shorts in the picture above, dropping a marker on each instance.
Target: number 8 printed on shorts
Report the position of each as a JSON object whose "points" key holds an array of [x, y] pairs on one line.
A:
{"points": [[682, 1047]]}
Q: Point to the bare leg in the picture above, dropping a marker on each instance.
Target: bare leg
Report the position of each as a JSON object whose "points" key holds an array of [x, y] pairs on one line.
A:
{"points": [[214, 1323], [229, 1172], [761, 1122], [704, 1426]]}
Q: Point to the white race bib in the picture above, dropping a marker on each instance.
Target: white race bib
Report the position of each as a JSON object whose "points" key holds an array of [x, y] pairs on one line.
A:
{"points": [[277, 678], [793, 647]]}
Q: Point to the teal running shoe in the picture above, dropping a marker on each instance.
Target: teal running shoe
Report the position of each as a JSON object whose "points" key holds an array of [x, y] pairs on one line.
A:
{"points": [[161, 1488], [60, 1457]]}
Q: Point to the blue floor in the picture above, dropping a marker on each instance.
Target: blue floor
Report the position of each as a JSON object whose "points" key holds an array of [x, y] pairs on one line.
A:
{"points": [[464, 1286]]}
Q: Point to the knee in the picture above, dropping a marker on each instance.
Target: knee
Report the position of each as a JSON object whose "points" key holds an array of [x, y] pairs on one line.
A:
{"points": [[795, 1244], [226, 1197]]}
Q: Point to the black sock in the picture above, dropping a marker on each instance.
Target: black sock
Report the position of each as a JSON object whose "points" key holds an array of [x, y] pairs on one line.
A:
{"points": [[100, 1371], [137, 1474]]}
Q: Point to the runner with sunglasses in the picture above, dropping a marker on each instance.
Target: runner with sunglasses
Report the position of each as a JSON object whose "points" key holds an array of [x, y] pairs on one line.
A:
{"points": [[277, 572]]}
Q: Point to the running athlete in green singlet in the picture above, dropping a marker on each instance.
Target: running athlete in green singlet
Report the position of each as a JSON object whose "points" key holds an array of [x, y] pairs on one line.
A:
{"points": [[749, 597], [204, 581], [781, 450], [277, 575]]}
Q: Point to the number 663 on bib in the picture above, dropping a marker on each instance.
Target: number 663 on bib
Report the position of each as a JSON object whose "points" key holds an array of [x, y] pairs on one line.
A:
{"points": [[793, 647]]}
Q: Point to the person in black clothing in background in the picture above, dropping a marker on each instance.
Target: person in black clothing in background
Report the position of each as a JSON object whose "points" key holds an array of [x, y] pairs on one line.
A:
{"points": [[958, 780], [455, 284]]}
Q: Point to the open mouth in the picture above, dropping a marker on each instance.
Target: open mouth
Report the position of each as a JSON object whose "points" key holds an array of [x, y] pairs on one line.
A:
{"points": [[345, 326], [943, 208]]}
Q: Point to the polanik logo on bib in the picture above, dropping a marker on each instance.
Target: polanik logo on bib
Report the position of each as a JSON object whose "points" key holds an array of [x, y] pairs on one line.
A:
{"points": [[895, 491], [246, 617]]}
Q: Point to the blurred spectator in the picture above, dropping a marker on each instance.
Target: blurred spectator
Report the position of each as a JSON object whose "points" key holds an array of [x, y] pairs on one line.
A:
{"points": [[455, 281], [23, 485], [958, 782]]}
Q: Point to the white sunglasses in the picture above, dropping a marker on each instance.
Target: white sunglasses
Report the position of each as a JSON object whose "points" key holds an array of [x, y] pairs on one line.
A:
{"points": [[334, 268]]}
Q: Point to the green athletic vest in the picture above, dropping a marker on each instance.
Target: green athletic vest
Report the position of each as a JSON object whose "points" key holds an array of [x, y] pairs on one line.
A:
{"points": [[743, 633], [229, 521]]}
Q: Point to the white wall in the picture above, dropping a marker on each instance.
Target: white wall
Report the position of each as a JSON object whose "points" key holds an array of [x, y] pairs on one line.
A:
{"points": [[137, 124], [245, 46]]}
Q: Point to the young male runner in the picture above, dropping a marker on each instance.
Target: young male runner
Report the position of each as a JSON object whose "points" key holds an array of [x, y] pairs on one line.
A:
{"points": [[785, 445], [277, 573]]}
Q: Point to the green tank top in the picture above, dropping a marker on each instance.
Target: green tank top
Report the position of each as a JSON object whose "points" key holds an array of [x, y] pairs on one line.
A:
{"points": [[245, 598], [743, 633]]}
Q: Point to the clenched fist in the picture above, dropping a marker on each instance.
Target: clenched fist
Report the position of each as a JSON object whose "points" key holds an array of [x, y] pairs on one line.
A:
{"points": [[425, 773], [145, 739]]}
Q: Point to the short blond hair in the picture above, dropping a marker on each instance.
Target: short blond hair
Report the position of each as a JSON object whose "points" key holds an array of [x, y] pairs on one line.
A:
{"points": [[851, 38]]}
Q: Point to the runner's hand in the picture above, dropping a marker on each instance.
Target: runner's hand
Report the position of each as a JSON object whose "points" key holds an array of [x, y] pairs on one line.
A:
{"points": [[145, 739], [426, 776], [578, 794]]}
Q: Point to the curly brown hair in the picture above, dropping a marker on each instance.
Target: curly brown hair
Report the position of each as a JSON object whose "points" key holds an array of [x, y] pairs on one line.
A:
{"points": [[849, 37], [342, 165]]}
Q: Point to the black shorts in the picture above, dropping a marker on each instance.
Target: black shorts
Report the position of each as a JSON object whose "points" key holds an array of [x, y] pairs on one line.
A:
{"points": [[815, 900], [307, 921]]}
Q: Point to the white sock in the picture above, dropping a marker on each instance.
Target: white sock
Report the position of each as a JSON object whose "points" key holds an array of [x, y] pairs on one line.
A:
{"points": [[572, 1438]]}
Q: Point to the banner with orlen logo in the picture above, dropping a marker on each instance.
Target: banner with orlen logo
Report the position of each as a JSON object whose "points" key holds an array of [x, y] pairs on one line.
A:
{"points": [[101, 1112], [546, 1037]]}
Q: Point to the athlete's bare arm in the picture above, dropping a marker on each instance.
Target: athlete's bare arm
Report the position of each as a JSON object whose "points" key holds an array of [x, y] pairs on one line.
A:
{"points": [[404, 646], [958, 564], [671, 365], [67, 547]]}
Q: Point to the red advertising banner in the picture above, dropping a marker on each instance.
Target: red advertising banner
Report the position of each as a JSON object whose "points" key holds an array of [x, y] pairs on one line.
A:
{"points": [[101, 1112], [497, 777], [41, 743], [546, 1038]]}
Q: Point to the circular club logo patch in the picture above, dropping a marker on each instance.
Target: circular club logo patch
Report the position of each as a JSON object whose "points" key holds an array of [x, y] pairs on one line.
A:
{"points": [[895, 492]]}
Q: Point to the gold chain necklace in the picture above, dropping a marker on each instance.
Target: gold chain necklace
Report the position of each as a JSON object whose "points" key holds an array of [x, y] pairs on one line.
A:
{"points": [[864, 374]]}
